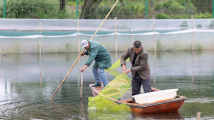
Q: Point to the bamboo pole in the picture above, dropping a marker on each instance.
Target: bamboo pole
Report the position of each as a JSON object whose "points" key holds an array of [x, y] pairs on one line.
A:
{"points": [[78, 57], [82, 110], [66, 76], [193, 36], [40, 53], [3, 76], [81, 85], [78, 30], [116, 36], [78, 39], [155, 50]]}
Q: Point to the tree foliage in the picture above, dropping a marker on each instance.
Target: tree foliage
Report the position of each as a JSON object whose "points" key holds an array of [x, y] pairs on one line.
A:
{"points": [[97, 9], [88, 8], [32, 9], [175, 8]]}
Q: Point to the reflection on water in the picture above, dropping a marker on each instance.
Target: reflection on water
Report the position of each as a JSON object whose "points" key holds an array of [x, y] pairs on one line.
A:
{"points": [[25, 93], [161, 116]]}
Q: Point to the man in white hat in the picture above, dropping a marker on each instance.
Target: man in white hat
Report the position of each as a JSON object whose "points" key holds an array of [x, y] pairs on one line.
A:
{"points": [[102, 58]]}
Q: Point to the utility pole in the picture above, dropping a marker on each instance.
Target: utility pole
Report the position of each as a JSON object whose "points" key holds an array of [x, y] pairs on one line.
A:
{"points": [[5, 9]]}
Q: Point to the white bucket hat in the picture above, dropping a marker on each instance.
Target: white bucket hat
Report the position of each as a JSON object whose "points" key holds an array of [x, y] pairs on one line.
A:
{"points": [[84, 43]]}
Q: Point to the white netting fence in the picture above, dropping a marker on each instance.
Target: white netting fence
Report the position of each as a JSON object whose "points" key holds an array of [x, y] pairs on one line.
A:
{"points": [[63, 35]]}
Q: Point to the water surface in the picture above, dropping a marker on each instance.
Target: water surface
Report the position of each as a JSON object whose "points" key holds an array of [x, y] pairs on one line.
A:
{"points": [[27, 82]]}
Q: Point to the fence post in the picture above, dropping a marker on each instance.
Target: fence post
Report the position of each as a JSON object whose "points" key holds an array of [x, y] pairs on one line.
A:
{"points": [[116, 36], [78, 31], [192, 48], [77, 9], [146, 8], [5, 9], [213, 8], [155, 50]]}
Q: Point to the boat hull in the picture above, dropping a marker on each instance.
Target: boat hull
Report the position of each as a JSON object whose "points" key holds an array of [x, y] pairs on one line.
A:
{"points": [[168, 106]]}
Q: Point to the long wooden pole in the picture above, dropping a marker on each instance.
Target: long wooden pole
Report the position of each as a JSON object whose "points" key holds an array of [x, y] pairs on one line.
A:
{"points": [[40, 53], [78, 57], [116, 37], [81, 85], [66, 76], [192, 47]]}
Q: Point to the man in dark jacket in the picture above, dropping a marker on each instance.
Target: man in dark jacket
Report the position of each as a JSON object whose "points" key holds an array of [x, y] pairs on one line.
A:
{"points": [[102, 58], [139, 68]]}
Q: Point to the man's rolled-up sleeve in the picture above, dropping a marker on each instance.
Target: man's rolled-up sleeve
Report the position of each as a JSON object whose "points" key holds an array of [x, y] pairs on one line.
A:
{"points": [[124, 57]]}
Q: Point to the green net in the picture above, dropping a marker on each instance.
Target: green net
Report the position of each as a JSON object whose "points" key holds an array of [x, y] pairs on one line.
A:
{"points": [[105, 100]]}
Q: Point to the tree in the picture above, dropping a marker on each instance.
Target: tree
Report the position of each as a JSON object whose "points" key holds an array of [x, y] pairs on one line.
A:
{"points": [[89, 8], [203, 5], [62, 5]]}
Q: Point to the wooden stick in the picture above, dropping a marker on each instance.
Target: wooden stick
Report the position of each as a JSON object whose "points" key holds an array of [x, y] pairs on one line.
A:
{"points": [[192, 47], [81, 85], [78, 38], [116, 37], [66, 76], [40, 53]]}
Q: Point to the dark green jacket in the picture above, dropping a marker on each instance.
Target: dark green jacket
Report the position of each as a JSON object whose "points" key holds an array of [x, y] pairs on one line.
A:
{"points": [[98, 53]]}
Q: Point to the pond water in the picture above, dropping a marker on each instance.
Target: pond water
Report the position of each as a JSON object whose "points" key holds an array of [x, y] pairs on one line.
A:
{"points": [[27, 81]]}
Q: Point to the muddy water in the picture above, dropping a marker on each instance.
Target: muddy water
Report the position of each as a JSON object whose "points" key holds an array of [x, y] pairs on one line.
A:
{"points": [[28, 81]]}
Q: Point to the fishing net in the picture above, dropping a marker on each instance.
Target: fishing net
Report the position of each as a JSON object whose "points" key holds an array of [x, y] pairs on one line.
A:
{"points": [[105, 100]]}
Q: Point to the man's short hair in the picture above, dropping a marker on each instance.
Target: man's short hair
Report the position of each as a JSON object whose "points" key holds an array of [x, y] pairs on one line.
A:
{"points": [[137, 44]]}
